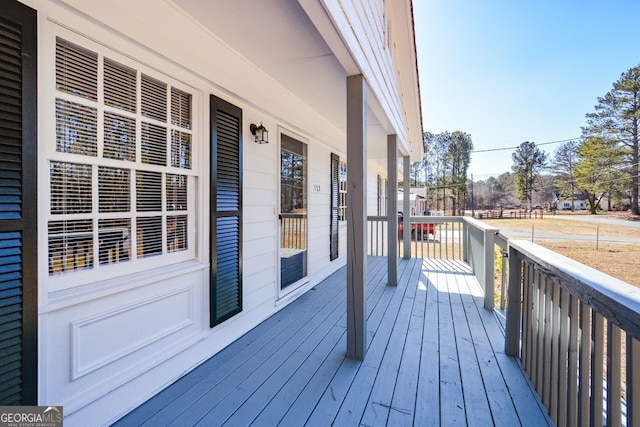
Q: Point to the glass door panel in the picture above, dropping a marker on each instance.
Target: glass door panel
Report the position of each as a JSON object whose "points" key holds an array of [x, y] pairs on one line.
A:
{"points": [[293, 211]]}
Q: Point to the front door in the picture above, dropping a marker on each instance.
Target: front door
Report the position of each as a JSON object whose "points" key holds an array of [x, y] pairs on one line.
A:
{"points": [[293, 211]]}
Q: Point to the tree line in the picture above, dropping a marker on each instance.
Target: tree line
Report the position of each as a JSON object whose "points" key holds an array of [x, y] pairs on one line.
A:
{"points": [[443, 171]]}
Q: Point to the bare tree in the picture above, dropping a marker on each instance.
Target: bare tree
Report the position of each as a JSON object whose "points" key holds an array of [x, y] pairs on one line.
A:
{"points": [[564, 166]]}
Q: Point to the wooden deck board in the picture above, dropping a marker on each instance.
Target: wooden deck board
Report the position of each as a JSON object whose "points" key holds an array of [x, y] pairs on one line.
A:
{"points": [[379, 404], [452, 398], [303, 372], [528, 406], [427, 407], [403, 402], [494, 384], [271, 375], [306, 401], [378, 303], [474, 392], [303, 391], [354, 401], [435, 356], [266, 391]]}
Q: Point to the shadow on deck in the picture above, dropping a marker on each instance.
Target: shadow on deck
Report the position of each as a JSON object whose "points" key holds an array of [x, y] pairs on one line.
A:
{"points": [[435, 356]]}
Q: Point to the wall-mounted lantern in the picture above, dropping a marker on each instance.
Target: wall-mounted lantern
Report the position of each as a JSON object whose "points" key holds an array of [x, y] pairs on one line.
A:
{"points": [[260, 132]]}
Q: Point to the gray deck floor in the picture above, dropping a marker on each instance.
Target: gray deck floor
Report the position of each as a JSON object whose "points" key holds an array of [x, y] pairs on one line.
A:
{"points": [[435, 357]]}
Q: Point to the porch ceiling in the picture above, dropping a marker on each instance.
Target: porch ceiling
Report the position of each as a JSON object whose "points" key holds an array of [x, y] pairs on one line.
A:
{"points": [[280, 39]]}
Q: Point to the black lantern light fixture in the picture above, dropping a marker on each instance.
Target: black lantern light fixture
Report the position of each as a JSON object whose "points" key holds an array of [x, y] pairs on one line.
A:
{"points": [[260, 132]]}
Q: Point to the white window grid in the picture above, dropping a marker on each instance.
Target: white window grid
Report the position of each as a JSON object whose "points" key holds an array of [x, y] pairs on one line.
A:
{"points": [[176, 214]]}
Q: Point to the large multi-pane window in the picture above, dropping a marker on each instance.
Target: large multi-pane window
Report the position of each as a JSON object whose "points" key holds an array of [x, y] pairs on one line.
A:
{"points": [[121, 172]]}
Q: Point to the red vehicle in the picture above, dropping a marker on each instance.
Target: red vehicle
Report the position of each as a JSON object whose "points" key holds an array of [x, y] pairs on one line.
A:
{"points": [[417, 229]]}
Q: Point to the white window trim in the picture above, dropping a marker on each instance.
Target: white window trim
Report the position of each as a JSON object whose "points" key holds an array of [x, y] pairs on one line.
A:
{"points": [[47, 153]]}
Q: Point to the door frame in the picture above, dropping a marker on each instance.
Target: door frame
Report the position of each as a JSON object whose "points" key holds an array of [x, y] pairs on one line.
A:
{"points": [[281, 293]]}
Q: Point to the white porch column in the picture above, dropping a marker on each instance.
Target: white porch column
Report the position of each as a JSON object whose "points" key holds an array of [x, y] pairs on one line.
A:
{"points": [[392, 210], [356, 217], [406, 208]]}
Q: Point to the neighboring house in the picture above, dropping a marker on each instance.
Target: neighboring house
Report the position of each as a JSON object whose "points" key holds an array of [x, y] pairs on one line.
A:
{"points": [[143, 225], [417, 203], [565, 205], [616, 204]]}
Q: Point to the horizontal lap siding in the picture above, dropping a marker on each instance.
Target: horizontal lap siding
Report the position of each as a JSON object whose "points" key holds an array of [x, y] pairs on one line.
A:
{"points": [[320, 263], [359, 23]]}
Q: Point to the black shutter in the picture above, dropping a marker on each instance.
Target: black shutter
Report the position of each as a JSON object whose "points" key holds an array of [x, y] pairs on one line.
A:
{"points": [[335, 192], [18, 226], [226, 211]]}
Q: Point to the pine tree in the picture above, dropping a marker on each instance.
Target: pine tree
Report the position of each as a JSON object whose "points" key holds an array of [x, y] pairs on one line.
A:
{"points": [[448, 158], [528, 162], [597, 168], [616, 118], [459, 157]]}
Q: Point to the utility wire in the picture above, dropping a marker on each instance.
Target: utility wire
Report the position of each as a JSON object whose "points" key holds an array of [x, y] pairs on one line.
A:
{"points": [[511, 148]]}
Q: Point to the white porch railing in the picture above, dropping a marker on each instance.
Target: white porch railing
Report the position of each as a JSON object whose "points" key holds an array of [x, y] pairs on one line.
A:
{"points": [[442, 237]]}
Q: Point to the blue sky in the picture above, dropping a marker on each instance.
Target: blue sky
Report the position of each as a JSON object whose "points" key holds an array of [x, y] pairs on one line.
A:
{"points": [[508, 71]]}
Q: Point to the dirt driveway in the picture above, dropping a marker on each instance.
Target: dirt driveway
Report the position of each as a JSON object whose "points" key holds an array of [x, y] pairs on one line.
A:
{"points": [[572, 227], [600, 219]]}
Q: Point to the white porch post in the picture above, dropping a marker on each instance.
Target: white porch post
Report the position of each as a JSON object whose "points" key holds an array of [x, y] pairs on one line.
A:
{"points": [[392, 210], [406, 208], [356, 217]]}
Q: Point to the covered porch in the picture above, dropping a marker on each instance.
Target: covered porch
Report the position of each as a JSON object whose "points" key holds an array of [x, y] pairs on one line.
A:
{"points": [[435, 356]]}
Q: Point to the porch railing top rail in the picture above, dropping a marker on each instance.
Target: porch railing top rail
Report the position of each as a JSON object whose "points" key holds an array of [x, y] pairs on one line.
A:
{"points": [[422, 218], [614, 299], [479, 224], [436, 219], [439, 220]]}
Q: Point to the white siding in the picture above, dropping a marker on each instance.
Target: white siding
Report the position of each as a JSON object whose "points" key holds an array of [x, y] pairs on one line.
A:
{"points": [[359, 23], [259, 216], [319, 214], [374, 168]]}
